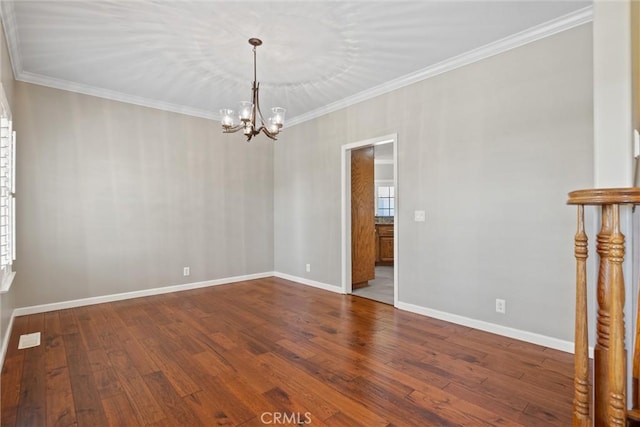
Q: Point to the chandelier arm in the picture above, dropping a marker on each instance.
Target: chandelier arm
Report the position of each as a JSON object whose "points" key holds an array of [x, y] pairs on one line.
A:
{"points": [[264, 130], [233, 129]]}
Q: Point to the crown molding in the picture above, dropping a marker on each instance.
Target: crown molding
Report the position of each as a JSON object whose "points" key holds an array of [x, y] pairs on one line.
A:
{"points": [[8, 16], [549, 28], [113, 95]]}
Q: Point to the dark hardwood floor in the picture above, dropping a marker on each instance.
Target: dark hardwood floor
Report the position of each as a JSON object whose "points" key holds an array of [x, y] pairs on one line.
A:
{"points": [[268, 350]]}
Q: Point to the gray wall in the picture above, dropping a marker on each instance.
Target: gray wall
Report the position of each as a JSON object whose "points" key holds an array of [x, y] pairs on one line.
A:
{"points": [[383, 172], [490, 151], [114, 197]]}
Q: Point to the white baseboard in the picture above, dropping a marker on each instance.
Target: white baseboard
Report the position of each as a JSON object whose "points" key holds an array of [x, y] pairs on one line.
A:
{"points": [[530, 337], [7, 336], [518, 334], [135, 294], [506, 331], [309, 282]]}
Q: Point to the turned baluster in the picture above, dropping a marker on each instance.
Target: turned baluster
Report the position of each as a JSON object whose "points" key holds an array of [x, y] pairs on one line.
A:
{"points": [[581, 377], [636, 363], [617, 362], [603, 322], [610, 370]]}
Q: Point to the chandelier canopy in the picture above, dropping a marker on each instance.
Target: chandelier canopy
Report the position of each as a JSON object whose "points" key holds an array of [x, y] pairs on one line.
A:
{"points": [[249, 112]]}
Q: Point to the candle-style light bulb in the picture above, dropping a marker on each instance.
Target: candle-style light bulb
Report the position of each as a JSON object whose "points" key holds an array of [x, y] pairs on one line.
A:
{"points": [[245, 111], [278, 116], [227, 118]]}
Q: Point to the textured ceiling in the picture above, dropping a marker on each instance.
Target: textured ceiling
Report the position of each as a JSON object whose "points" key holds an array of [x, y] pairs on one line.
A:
{"points": [[193, 56]]}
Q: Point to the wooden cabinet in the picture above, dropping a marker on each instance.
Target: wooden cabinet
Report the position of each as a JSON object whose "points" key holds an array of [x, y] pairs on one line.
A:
{"points": [[384, 244]]}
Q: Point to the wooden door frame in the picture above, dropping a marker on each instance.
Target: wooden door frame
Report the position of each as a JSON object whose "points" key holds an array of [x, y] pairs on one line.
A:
{"points": [[346, 209]]}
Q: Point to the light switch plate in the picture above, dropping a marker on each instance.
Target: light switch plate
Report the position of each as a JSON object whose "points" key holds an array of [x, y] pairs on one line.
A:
{"points": [[419, 216]]}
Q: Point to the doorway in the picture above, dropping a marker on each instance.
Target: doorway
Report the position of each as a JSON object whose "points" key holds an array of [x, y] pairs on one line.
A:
{"points": [[384, 286]]}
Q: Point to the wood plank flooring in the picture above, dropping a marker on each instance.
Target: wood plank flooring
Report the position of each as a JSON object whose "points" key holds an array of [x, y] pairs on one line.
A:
{"points": [[268, 350]]}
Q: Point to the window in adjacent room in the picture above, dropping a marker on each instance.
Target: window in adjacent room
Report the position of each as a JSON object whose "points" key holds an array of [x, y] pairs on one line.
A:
{"points": [[385, 201], [7, 199]]}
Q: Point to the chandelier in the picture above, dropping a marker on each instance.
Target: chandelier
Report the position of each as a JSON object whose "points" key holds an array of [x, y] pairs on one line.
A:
{"points": [[249, 112]]}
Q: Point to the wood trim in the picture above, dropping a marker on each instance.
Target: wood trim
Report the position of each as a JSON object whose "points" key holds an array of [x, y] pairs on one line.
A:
{"points": [[605, 196], [610, 356]]}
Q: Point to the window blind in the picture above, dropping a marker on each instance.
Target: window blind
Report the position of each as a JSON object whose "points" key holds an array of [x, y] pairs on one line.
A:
{"points": [[7, 209]]}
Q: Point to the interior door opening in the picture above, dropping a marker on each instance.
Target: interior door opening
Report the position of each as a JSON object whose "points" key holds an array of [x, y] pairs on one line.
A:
{"points": [[370, 241]]}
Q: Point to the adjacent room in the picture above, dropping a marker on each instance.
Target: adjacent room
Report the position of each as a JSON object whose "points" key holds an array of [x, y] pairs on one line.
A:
{"points": [[326, 213]]}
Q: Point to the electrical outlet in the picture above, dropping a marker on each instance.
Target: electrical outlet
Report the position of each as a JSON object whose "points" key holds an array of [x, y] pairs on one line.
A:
{"points": [[308, 268], [501, 306], [186, 271]]}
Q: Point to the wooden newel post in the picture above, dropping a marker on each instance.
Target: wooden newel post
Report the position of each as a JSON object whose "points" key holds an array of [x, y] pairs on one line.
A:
{"points": [[610, 367]]}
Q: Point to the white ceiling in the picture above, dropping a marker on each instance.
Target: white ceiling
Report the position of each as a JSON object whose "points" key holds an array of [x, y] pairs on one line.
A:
{"points": [[317, 56]]}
